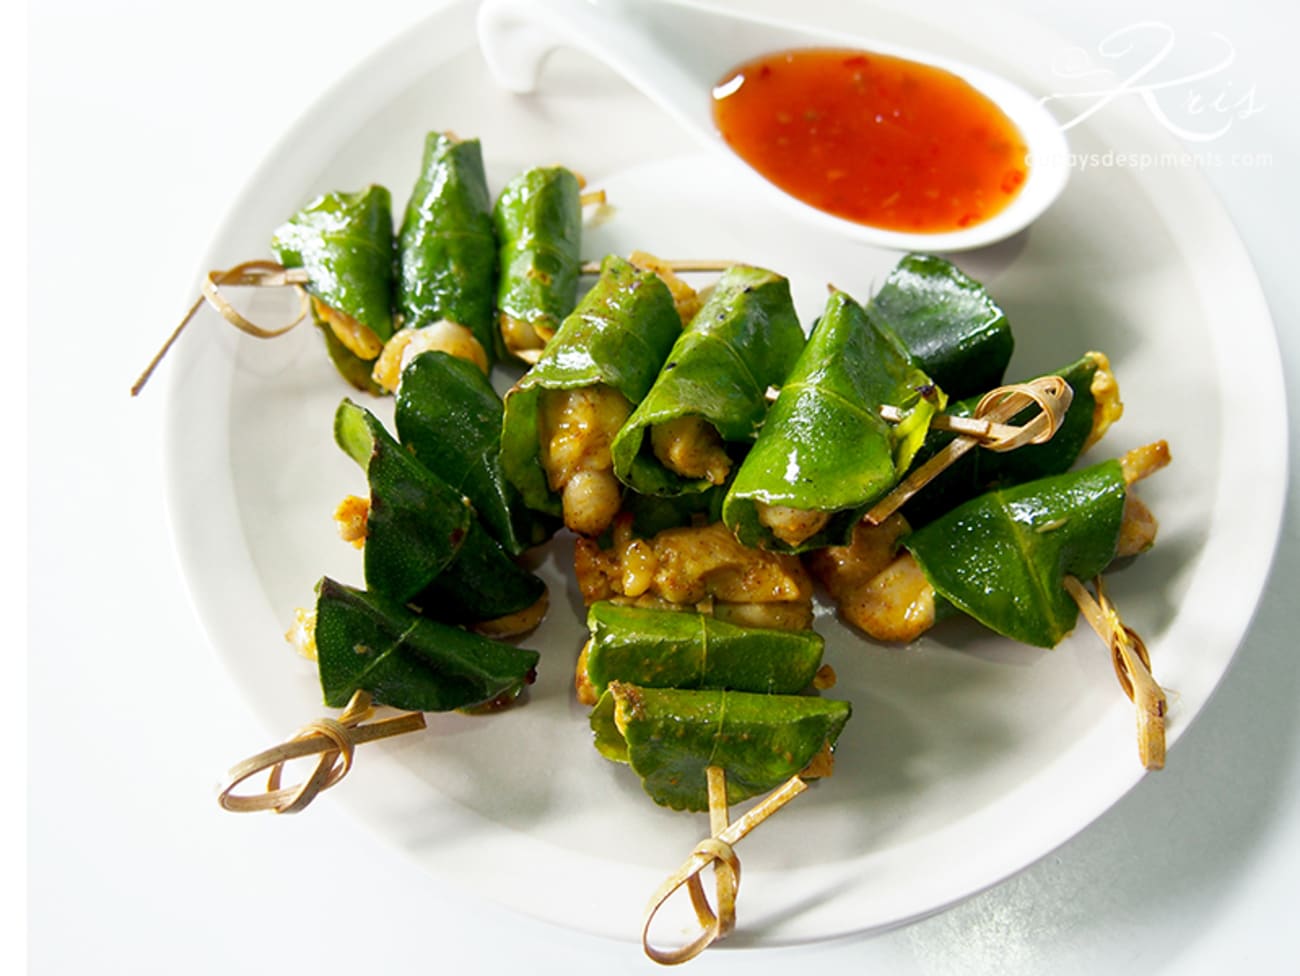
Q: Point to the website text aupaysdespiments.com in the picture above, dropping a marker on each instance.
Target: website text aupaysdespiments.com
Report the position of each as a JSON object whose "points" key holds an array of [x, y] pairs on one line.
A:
{"points": [[1111, 159]]}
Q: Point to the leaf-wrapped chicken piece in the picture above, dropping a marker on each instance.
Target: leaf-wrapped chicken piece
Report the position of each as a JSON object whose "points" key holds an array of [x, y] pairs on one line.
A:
{"points": [[947, 322], [824, 453], [709, 401], [674, 649], [367, 642], [423, 544], [344, 241], [670, 736], [449, 416], [1001, 557], [538, 223], [563, 414], [447, 247]]}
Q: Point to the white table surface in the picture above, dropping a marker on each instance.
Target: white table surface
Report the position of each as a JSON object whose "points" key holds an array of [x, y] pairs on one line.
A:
{"points": [[146, 119]]}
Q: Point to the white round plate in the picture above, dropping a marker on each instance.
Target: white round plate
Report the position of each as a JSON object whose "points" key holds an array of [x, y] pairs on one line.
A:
{"points": [[967, 757]]}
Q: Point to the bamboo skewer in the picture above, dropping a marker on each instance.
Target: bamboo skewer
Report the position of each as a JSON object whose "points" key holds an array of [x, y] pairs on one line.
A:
{"points": [[717, 849], [983, 430], [986, 429], [333, 740], [676, 265], [1132, 667], [260, 274], [269, 274]]}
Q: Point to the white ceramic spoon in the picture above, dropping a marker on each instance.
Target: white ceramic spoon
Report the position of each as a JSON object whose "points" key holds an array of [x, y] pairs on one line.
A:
{"points": [[675, 51]]}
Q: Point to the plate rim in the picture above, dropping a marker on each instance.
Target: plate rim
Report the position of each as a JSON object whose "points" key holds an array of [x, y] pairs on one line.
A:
{"points": [[1227, 245]]}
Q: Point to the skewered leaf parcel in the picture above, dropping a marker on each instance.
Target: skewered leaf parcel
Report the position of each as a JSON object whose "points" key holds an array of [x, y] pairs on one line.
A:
{"points": [[1003, 557], [449, 416], [682, 649], [824, 453], [1095, 405], [424, 544], [709, 401], [670, 736], [344, 241], [447, 247], [563, 414], [365, 641], [538, 223]]}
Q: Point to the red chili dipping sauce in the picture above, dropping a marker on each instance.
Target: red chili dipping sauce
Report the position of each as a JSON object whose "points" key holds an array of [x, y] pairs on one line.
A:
{"points": [[873, 139]]}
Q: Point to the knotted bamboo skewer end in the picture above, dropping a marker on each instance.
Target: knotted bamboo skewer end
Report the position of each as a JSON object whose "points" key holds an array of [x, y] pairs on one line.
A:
{"points": [[718, 850], [259, 274], [332, 741], [1132, 663], [988, 429]]}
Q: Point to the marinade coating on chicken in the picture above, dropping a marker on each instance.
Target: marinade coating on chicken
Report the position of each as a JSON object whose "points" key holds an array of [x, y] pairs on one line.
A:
{"points": [[697, 567], [576, 428]]}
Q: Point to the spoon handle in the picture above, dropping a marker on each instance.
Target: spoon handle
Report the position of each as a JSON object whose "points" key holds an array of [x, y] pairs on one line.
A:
{"points": [[676, 51], [517, 36]]}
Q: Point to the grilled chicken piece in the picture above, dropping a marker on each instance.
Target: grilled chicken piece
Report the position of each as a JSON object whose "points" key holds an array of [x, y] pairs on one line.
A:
{"points": [[691, 447], [698, 567], [578, 427]]}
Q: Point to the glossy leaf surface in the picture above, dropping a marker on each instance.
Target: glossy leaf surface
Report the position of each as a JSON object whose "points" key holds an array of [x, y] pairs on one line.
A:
{"points": [[824, 446], [446, 247], [344, 241], [948, 323], [1002, 557], [744, 339]]}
